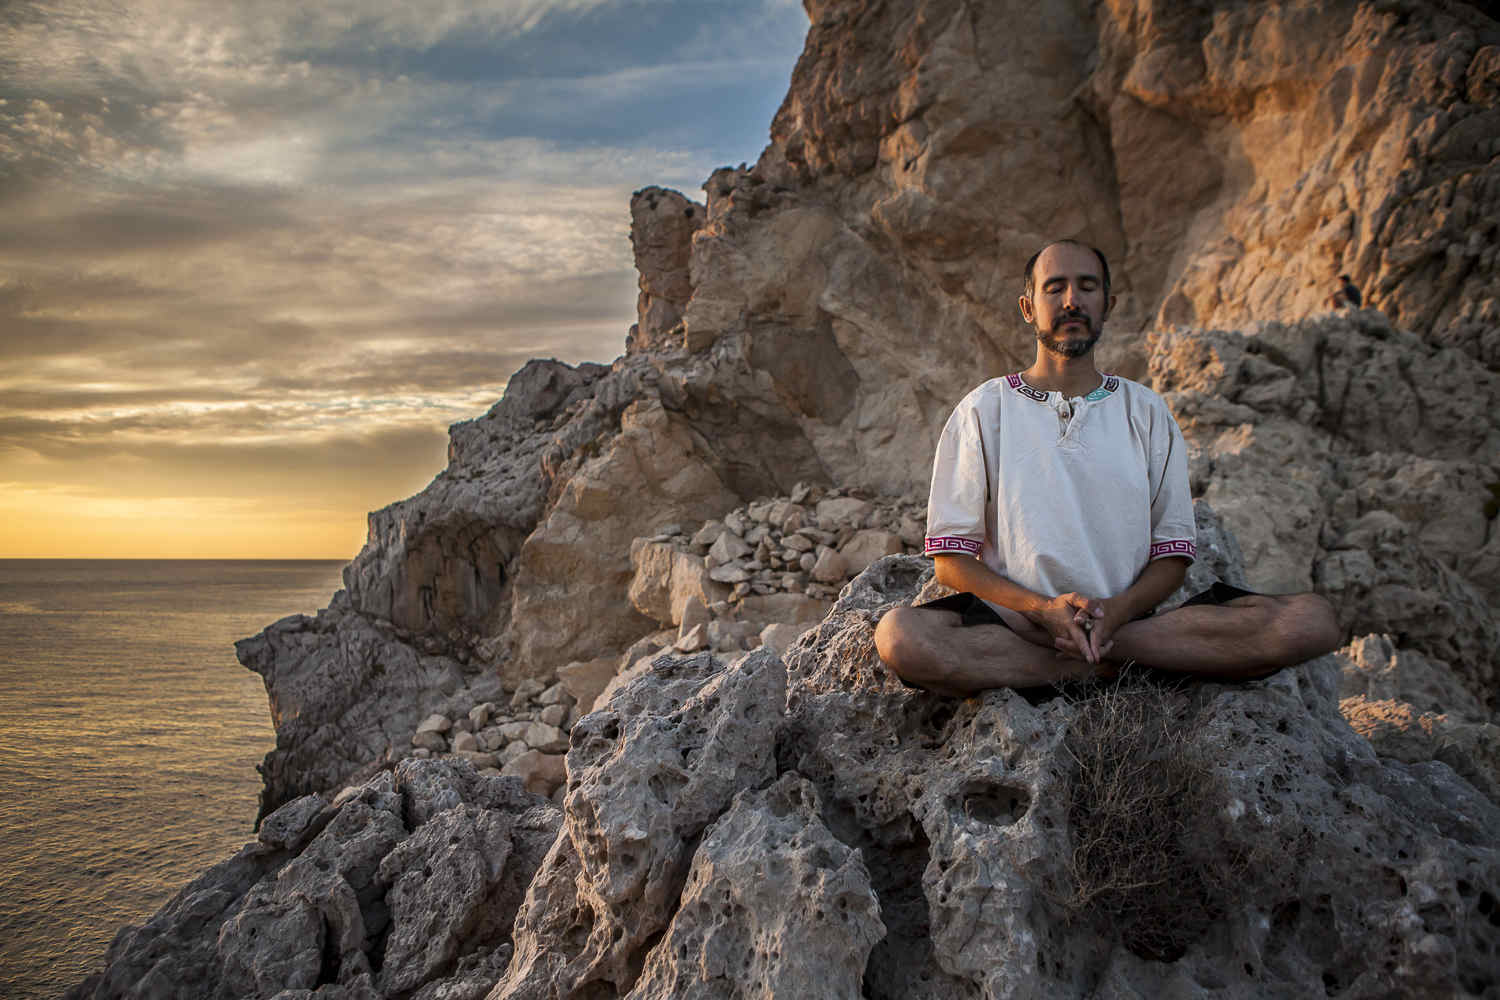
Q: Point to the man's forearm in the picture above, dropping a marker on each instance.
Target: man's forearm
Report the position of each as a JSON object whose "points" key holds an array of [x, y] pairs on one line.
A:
{"points": [[963, 572], [1152, 586]]}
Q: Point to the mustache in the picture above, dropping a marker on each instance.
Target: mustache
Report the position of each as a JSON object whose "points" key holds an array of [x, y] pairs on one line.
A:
{"points": [[1070, 316]]}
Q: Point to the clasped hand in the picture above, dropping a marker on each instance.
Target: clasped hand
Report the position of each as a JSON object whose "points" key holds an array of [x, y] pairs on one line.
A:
{"points": [[1080, 626]]}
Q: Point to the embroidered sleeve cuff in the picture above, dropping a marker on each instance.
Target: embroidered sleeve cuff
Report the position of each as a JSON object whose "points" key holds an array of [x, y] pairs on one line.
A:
{"points": [[1175, 547], [943, 544]]}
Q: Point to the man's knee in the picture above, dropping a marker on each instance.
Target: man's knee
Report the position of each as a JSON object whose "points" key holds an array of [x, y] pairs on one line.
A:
{"points": [[911, 646], [1319, 623], [896, 637], [1306, 627]]}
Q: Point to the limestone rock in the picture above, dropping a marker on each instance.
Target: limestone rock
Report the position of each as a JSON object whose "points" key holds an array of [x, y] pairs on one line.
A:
{"points": [[708, 534], [429, 905], [737, 922], [662, 224], [437, 722], [693, 639], [345, 697], [290, 827], [1317, 443], [586, 678], [829, 566], [576, 563], [694, 613], [647, 775], [666, 578], [1398, 730], [728, 548], [867, 545], [779, 637], [1375, 668], [842, 512], [526, 692], [437, 560], [481, 759], [541, 772], [792, 609], [557, 694], [439, 878], [729, 573]]}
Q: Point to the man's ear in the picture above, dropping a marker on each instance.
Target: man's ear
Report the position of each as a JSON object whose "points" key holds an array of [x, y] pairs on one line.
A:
{"points": [[1109, 307], [1026, 311]]}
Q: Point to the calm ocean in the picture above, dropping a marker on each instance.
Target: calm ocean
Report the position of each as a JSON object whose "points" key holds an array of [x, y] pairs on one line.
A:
{"points": [[129, 736]]}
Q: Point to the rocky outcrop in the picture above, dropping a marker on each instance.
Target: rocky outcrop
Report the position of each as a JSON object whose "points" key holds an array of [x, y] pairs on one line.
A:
{"points": [[345, 693], [800, 338], [662, 224], [1336, 450], [810, 826], [406, 885], [438, 563]]}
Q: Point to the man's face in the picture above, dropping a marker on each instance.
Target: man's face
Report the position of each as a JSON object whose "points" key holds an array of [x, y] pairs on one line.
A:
{"points": [[1067, 305]]}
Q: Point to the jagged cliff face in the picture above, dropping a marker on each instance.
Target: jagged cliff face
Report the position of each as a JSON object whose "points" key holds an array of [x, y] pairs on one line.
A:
{"points": [[812, 322], [1232, 160], [817, 317]]}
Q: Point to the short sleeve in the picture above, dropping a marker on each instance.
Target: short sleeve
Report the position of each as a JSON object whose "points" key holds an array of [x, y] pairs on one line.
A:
{"points": [[956, 502], [1173, 530]]}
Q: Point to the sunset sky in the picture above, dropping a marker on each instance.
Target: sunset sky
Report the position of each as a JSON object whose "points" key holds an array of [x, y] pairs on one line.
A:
{"points": [[257, 255]]}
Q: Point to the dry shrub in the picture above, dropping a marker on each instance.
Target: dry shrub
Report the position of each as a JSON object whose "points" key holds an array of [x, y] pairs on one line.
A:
{"points": [[1141, 811]]}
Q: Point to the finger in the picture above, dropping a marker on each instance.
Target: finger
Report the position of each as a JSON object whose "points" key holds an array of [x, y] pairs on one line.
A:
{"points": [[1082, 641], [1101, 646]]}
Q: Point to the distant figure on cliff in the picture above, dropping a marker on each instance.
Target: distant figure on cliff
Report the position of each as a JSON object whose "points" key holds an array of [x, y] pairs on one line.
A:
{"points": [[1347, 297], [1060, 509]]}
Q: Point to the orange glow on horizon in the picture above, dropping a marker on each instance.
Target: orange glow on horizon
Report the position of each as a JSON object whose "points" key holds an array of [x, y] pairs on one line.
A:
{"points": [[67, 526]]}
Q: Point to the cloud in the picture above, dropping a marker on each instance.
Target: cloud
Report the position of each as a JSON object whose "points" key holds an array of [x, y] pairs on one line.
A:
{"points": [[304, 239], [338, 464]]}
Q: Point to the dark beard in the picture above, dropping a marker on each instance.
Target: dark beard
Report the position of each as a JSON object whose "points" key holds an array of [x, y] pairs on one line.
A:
{"points": [[1069, 347]]}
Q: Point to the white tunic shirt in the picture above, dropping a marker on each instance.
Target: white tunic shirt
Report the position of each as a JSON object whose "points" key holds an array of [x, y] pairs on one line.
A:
{"points": [[1058, 494]]}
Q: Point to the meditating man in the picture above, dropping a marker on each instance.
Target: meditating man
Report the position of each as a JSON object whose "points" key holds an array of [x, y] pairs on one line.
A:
{"points": [[1060, 511]]}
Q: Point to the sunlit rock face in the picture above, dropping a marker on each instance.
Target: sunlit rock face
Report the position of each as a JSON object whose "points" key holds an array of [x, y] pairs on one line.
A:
{"points": [[1233, 160], [816, 317]]}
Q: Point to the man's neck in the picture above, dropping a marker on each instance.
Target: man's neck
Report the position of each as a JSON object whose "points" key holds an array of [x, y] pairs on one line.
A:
{"points": [[1069, 376]]}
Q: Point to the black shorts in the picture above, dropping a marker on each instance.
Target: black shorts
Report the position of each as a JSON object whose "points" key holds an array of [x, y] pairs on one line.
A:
{"points": [[974, 611]]}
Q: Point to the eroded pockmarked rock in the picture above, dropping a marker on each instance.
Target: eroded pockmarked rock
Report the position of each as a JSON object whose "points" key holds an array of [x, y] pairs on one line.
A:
{"points": [[772, 901], [406, 885], [647, 773], [971, 797]]}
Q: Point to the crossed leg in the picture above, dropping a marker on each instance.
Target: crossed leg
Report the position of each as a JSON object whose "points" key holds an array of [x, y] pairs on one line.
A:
{"points": [[1247, 637]]}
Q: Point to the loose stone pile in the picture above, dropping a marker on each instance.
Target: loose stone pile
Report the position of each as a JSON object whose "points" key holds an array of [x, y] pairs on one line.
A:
{"points": [[526, 737], [811, 542]]}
